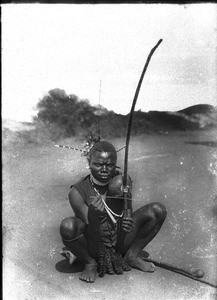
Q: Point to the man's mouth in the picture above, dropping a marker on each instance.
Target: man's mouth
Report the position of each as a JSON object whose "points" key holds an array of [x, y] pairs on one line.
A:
{"points": [[104, 175]]}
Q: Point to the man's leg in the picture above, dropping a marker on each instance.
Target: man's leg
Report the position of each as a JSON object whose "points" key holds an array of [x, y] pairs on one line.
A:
{"points": [[148, 221], [72, 232]]}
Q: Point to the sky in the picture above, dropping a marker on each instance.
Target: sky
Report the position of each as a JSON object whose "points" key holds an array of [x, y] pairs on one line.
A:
{"points": [[97, 52]]}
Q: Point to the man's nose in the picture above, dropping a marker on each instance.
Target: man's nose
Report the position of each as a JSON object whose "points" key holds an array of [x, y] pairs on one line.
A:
{"points": [[104, 168]]}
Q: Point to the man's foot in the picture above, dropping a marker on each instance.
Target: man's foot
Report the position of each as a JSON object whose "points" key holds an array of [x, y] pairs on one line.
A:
{"points": [[140, 264], [89, 273]]}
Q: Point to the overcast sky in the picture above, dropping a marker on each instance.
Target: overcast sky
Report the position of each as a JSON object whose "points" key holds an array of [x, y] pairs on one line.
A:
{"points": [[74, 47]]}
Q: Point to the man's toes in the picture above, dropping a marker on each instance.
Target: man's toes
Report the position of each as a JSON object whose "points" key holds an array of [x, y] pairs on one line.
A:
{"points": [[152, 267], [119, 271], [83, 278]]}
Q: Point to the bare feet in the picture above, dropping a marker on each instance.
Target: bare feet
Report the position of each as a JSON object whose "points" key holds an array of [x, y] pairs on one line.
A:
{"points": [[89, 273], [140, 264]]}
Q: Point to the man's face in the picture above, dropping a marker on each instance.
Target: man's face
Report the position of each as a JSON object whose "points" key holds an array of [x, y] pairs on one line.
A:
{"points": [[102, 166]]}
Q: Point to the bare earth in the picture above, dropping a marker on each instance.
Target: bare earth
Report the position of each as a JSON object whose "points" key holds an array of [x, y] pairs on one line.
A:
{"points": [[171, 169]]}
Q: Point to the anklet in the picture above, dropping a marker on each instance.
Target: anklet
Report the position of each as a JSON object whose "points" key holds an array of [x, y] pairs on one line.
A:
{"points": [[72, 240]]}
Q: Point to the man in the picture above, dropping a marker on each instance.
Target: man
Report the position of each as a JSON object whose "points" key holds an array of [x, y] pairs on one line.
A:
{"points": [[99, 235]]}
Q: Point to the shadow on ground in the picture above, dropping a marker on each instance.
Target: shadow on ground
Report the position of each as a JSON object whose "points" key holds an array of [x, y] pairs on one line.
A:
{"points": [[63, 266]]}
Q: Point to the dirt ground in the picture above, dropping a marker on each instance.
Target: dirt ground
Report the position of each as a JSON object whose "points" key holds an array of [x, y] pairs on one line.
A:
{"points": [[179, 171]]}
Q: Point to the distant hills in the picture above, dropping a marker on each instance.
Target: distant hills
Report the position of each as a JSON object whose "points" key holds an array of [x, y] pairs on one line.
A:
{"points": [[197, 117], [16, 125], [198, 109]]}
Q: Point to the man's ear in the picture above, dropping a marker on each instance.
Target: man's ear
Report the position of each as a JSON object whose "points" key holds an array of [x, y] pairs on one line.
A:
{"points": [[88, 164]]}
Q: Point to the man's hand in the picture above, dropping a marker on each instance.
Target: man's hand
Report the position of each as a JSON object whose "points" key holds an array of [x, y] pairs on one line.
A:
{"points": [[97, 205], [128, 224]]}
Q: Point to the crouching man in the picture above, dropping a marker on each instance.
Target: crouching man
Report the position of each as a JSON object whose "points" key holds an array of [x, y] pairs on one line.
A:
{"points": [[99, 235]]}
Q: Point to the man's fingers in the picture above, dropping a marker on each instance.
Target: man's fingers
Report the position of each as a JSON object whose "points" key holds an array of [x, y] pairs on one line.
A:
{"points": [[128, 223], [128, 228], [128, 219], [97, 203], [101, 206], [95, 200]]}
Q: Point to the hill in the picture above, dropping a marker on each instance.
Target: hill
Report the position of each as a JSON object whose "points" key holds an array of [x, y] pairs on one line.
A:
{"points": [[16, 125], [197, 117]]}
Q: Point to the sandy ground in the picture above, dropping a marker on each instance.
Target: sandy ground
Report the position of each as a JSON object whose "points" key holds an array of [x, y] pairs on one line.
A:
{"points": [[178, 171]]}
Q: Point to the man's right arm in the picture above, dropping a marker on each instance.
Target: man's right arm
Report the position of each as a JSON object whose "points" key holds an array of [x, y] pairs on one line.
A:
{"points": [[81, 209], [78, 205]]}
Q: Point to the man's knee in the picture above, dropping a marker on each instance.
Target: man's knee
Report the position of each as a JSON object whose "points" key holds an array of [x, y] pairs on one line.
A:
{"points": [[159, 211], [71, 228]]}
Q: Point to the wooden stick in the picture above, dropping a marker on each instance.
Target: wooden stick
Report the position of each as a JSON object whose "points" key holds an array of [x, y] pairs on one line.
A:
{"points": [[128, 206], [187, 273]]}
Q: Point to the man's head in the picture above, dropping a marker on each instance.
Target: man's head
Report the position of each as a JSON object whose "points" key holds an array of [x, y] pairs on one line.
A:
{"points": [[102, 161]]}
